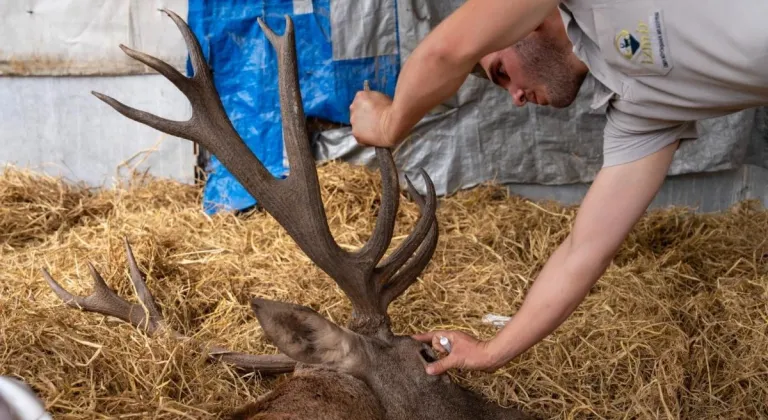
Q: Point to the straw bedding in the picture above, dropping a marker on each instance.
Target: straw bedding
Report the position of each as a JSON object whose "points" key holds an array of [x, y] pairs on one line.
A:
{"points": [[675, 329]]}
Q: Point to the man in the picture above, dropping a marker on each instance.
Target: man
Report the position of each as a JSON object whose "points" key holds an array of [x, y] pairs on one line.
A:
{"points": [[661, 64]]}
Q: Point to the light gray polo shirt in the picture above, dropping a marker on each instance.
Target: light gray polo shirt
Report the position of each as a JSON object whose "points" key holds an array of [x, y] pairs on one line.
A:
{"points": [[664, 64]]}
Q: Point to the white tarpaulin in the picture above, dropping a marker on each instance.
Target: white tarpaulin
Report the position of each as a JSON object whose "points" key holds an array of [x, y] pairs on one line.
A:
{"points": [[54, 124], [81, 37]]}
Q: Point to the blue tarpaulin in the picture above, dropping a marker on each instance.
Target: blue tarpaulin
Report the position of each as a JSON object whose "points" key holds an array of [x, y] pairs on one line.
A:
{"points": [[245, 74]]}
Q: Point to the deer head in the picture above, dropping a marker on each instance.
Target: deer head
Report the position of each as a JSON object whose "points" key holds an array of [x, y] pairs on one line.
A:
{"points": [[391, 368]]}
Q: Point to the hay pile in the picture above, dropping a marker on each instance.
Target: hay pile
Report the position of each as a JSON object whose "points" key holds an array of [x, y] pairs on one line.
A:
{"points": [[675, 329]]}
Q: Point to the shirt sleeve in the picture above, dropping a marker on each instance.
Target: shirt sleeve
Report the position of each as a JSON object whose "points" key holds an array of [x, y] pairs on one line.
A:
{"points": [[627, 138]]}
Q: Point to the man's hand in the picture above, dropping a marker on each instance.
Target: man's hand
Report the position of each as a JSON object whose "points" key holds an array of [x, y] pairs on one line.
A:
{"points": [[467, 352], [370, 116]]}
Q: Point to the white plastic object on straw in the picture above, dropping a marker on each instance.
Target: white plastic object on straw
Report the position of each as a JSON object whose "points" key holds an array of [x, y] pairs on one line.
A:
{"points": [[497, 321]]}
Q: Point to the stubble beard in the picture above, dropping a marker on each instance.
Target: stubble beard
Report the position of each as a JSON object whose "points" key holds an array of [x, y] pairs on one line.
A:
{"points": [[549, 66]]}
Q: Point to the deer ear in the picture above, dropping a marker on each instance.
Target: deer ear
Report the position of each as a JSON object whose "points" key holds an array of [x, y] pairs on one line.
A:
{"points": [[305, 336]]}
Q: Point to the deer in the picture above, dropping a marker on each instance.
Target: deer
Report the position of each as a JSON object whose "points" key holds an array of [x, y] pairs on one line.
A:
{"points": [[360, 370]]}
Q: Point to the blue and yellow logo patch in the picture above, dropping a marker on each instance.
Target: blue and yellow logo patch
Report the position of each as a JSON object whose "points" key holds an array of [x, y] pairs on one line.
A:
{"points": [[627, 44]]}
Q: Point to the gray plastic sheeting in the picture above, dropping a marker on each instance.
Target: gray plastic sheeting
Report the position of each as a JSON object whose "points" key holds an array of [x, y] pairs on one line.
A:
{"points": [[479, 135]]}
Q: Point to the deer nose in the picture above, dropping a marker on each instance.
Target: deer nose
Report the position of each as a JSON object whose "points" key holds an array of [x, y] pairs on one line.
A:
{"points": [[427, 354], [518, 96]]}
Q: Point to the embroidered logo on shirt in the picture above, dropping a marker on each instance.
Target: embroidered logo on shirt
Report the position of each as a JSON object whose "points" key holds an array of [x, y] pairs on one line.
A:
{"points": [[627, 44], [647, 45]]}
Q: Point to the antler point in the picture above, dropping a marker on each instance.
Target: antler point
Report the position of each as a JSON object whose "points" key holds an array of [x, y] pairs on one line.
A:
{"points": [[104, 98], [411, 188], [59, 291]]}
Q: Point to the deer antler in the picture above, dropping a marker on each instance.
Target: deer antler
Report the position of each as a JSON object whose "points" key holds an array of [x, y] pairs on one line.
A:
{"points": [[147, 317], [295, 202]]}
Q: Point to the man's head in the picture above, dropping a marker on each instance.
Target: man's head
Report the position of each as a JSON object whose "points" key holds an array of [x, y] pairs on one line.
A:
{"points": [[540, 68]]}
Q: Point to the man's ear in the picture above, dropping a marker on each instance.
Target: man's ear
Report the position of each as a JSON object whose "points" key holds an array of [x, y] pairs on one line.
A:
{"points": [[305, 336]]}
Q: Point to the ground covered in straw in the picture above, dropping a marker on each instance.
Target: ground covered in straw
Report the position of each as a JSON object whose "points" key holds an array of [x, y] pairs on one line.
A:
{"points": [[675, 329]]}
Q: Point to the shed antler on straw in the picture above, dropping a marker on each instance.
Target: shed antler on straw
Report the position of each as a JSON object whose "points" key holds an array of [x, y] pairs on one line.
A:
{"points": [[146, 316]]}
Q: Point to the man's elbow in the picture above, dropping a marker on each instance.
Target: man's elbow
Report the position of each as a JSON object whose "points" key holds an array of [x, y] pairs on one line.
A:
{"points": [[449, 52], [588, 259]]}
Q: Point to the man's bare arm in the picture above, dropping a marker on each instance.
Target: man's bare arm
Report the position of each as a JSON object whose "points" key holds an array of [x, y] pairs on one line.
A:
{"points": [[615, 202], [441, 62]]}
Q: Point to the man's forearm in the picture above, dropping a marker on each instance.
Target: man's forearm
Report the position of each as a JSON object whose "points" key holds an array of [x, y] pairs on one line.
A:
{"points": [[424, 83], [561, 286]]}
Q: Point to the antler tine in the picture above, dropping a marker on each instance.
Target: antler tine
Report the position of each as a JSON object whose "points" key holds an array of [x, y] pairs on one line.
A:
{"points": [[300, 160], [196, 56], [105, 301], [209, 125], [303, 173], [146, 316], [403, 267], [408, 273], [386, 283], [427, 218], [173, 75], [174, 128], [381, 237], [138, 283]]}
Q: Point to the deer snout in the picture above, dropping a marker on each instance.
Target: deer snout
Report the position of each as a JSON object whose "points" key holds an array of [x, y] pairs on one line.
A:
{"points": [[427, 354]]}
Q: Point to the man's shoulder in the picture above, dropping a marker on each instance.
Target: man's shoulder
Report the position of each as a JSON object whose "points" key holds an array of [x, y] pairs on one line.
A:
{"points": [[685, 59]]}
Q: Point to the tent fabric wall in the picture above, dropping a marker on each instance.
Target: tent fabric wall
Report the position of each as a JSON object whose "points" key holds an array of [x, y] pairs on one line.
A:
{"points": [[67, 38], [55, 125], [54, 54]]}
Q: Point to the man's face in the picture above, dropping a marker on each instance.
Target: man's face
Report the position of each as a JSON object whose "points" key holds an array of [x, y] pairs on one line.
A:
{"points": [[534, 70]]}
